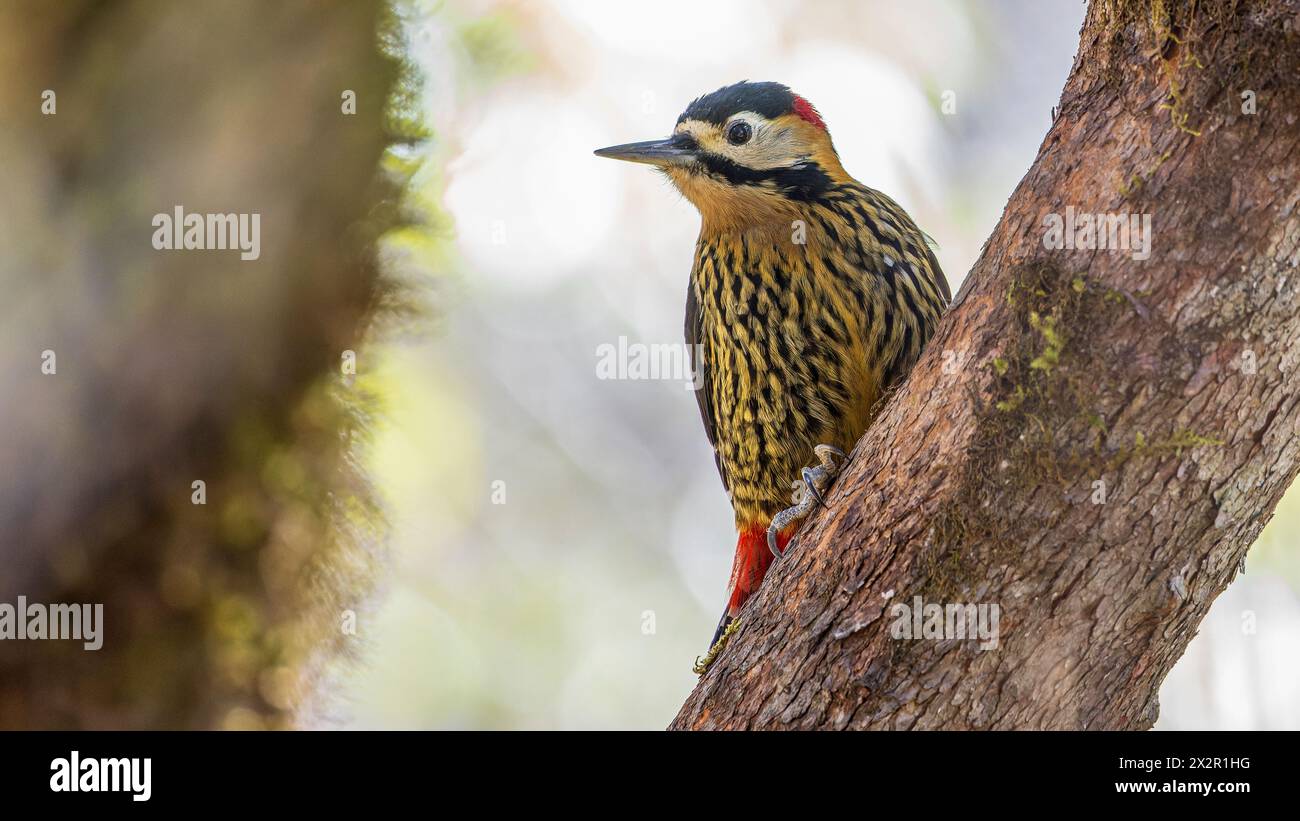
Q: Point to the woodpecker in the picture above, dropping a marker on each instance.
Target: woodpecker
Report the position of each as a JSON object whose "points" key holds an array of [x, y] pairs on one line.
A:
{"points": [[811, 295]]}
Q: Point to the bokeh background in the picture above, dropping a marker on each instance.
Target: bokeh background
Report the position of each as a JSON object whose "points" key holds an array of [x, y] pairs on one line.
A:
{"points": [[561, 542]]}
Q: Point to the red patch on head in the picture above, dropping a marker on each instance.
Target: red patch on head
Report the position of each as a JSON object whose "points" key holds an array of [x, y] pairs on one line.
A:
{"points": [[806, 111]]}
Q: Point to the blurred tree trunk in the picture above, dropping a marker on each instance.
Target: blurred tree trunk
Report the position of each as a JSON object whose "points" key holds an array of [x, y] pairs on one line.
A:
{"points": [[1092, 441], [175, 367]]}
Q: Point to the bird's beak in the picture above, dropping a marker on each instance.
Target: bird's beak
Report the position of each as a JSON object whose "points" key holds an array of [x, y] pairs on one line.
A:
{"points": [[672, 151]]}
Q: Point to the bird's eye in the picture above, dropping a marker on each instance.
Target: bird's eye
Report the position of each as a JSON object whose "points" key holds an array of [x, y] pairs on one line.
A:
{"points": [[739, 133]]}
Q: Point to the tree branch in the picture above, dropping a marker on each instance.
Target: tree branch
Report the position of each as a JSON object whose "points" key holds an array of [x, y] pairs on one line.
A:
{"points": [[1093, 440]]}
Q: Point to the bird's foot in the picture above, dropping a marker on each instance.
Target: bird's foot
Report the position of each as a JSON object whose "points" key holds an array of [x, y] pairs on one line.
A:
{"points": [[815, 481], [702, 664]]}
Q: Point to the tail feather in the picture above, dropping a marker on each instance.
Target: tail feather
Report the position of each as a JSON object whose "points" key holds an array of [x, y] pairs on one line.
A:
{"points": [[723, 624], [747, 571]]}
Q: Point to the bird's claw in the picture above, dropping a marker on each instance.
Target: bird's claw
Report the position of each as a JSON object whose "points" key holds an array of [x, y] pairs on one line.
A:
{"points": [[825, 452], [815, 479], [810, 478]]}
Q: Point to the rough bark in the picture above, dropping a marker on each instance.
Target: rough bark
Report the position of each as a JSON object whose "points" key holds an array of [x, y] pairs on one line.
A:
{"points": [[1172, 380]]}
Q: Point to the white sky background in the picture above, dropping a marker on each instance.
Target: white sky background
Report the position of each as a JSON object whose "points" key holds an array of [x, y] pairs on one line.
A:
{"points": [[532, 613]]}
